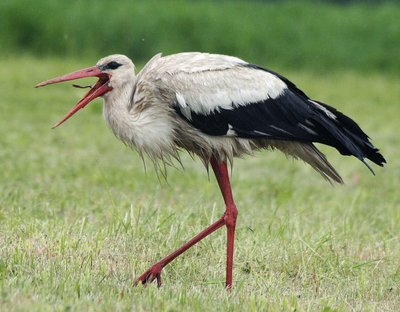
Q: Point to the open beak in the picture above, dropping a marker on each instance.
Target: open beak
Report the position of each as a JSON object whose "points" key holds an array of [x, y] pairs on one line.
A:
{"points": [[98, 89]]}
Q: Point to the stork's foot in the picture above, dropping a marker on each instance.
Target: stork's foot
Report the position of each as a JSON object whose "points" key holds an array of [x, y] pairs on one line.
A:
{"points": [[153, 273]]}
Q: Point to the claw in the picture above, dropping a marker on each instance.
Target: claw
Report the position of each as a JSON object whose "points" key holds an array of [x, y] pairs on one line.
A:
{"points": [[153, 273]]}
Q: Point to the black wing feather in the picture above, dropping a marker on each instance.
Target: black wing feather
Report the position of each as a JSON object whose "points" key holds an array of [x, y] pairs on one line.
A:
{"points": [[291, 116]]}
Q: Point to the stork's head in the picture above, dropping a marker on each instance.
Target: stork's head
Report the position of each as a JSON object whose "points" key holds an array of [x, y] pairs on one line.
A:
{"points": [[113, 72]]}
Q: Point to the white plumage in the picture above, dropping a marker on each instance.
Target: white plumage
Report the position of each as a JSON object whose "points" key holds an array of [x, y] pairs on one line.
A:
{"points": [[197, 83]]}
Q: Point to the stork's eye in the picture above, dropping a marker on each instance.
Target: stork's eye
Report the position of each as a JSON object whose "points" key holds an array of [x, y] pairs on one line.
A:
{"points": [[112, 65]]}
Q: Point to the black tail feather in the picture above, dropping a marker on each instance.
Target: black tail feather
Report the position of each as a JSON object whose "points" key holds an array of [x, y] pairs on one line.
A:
{"points": [[352, 140]]}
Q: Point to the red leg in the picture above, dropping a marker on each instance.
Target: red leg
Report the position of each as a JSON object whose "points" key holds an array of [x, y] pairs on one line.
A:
{"points": [[154, 272], [228, 218], [221, 173]]}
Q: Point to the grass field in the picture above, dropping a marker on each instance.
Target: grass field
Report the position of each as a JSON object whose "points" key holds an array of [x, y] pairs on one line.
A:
{"points": [[79, 217]]}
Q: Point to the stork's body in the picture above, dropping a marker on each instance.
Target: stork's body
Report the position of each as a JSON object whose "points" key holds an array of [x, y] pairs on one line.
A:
{"points": [[217, 107]]}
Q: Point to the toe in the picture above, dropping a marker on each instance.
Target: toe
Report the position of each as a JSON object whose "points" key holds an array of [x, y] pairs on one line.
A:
{"points": [[159, 283]]}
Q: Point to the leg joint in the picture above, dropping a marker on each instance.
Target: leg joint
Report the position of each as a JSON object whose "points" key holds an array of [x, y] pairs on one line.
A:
{"points": [[230, 216]]}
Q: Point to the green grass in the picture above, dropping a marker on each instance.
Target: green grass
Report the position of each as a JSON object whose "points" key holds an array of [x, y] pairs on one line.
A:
{"points": [[79, 217], [300, 34]]}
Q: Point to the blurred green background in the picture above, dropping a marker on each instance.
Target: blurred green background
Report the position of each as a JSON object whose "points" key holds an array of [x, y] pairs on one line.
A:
{"points": [[312, 35]]}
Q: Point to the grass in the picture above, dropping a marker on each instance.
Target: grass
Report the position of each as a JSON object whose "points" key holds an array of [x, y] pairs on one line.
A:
{"points": [[79, 217]]}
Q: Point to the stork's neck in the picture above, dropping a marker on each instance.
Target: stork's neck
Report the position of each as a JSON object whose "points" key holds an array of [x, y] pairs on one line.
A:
{"points": [[149, 128], [117, 104], [121, 95]]}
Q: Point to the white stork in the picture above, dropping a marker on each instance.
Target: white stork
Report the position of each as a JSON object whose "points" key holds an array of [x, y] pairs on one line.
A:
{"points": [[217, 107]]}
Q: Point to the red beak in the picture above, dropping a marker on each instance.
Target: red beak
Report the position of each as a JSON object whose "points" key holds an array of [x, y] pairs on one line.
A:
{"points": [[101, 87]]}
